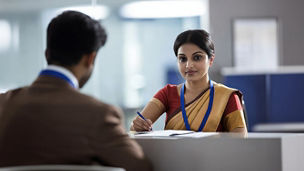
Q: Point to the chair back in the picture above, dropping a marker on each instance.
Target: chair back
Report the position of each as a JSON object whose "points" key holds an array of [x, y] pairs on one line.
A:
{"points": [[61, 168], [245, 114]]}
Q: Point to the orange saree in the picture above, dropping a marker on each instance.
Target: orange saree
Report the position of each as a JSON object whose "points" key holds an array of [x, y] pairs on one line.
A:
{"points": [[196, 110]]}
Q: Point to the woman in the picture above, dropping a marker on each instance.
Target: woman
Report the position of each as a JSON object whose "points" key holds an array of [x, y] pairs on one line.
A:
{"points": [[199, 104]]}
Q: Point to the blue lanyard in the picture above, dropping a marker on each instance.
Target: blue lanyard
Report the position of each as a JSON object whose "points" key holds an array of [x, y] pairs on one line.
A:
{"points": [[58, 75], [208, 110]]}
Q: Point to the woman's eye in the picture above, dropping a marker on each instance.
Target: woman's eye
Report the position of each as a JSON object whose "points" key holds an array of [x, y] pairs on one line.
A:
{"points": [[182, 59], [197, 57]]}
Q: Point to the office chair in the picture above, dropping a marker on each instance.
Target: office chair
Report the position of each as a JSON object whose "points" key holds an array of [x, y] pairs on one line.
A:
{"points": [[245, 114], [61, 168]]}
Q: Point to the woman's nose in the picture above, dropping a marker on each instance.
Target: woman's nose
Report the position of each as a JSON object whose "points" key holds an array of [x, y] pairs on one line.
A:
{"points": [[189, 64]]}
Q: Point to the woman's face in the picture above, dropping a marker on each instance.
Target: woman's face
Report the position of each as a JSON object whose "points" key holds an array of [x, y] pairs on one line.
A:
{"points": [[193, 62]]}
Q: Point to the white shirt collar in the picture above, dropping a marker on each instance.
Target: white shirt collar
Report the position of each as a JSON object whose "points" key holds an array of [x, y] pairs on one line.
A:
{"points": [[66, 72]]}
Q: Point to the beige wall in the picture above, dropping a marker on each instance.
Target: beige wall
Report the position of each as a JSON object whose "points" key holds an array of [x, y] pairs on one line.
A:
{"points": [[290, 15]]}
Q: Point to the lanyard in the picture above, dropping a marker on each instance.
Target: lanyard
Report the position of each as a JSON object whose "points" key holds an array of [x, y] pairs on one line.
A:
{"points": [[208, 110], [58, 75]]}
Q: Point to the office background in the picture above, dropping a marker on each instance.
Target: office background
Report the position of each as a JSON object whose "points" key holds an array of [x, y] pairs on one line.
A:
{"points": [[138, 58]]}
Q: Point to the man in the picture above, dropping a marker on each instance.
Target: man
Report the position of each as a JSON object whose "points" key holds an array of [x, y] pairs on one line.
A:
{"points": [[51, 122]]}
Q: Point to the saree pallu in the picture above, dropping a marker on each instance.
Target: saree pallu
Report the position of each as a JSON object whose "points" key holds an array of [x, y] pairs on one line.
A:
{"points": [[196, 110]]}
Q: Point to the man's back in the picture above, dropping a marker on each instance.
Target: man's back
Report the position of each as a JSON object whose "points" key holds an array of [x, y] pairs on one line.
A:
{"points": [[50, 122]]}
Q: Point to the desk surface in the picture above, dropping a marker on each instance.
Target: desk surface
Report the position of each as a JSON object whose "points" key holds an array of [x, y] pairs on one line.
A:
{"points": [[280, 127], [224, 151]]}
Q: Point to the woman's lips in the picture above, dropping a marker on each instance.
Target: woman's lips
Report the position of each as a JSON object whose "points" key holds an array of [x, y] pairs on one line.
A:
{"points": [[190, 72]]}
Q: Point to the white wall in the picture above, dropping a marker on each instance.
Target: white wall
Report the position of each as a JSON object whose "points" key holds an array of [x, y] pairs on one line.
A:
{"points": [[20, 64]]}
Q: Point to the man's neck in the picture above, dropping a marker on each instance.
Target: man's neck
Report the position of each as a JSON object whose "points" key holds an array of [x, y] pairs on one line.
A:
{"points": [[66, 71]]}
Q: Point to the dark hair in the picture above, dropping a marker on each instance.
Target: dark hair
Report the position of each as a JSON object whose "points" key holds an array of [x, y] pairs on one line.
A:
{"points": [[200, 38], [72, 34]]}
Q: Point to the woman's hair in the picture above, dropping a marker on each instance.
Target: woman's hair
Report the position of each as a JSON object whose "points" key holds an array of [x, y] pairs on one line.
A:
{"points": [[200, 38]]}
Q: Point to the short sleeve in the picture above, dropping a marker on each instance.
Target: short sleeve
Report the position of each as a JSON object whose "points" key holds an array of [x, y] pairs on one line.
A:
{"points": [[233, 116], [162, 95], [234, 103]]}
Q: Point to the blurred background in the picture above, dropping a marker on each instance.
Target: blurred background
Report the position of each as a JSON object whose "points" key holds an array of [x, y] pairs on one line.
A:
{"points": [[258, 49]]}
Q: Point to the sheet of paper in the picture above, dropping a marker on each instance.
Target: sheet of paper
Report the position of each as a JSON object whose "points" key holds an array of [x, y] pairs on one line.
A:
{"points": [[199, 134], [174, 133], [162, 133]]}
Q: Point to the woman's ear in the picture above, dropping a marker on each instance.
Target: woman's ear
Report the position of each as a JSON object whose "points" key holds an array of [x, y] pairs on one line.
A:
{"points": [[211, 61]]}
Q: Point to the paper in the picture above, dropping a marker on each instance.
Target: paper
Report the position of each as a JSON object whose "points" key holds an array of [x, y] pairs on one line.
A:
{"points": [[162, 133], [174, 133], [199, 134]]}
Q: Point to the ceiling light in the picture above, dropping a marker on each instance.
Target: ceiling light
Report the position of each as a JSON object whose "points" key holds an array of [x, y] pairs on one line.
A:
{"points": [[163, 9], [5, 36], [97, 12]]}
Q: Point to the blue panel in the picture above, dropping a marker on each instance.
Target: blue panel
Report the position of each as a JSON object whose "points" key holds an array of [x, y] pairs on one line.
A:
{"points": [[253, 88], [287, 92]]}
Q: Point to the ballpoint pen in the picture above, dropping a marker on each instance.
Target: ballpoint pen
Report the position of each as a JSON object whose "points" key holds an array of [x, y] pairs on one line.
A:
{"points": [[140, 115]]}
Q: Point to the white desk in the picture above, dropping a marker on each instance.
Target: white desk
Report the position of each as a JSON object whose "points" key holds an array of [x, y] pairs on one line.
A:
{"points": [[258, 152], [280, 127]]}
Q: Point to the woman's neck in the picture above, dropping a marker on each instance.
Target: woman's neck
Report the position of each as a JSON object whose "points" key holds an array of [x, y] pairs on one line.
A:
{"points": [[195, 87]]}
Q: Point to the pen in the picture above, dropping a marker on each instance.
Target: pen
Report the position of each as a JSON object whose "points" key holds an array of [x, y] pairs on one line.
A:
{"points": [[140, 115], [176, 134]]}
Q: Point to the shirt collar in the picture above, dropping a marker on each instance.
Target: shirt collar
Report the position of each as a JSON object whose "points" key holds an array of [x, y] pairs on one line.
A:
{"points": [[65, 72]]}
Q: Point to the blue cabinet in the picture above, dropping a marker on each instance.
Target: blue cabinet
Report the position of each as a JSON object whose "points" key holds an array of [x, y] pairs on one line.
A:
{"points": [[286, 95], [253, 88], [270, 97]]}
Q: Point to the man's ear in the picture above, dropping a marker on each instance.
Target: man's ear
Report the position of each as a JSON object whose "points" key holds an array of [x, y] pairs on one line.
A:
{"points": [[46, 54], [91, 58]]}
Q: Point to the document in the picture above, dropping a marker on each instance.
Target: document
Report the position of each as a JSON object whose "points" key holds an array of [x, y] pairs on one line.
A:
{"points": [[199, 134], [174, 133], [162, 133]]}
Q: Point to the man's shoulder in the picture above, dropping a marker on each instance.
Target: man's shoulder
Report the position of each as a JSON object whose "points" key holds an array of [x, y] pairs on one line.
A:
{"points": [[85, 98], [11, 93], [93, 104]]}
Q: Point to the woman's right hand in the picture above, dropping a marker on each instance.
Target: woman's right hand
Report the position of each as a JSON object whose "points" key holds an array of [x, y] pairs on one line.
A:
{"points": [[139, 124]]}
